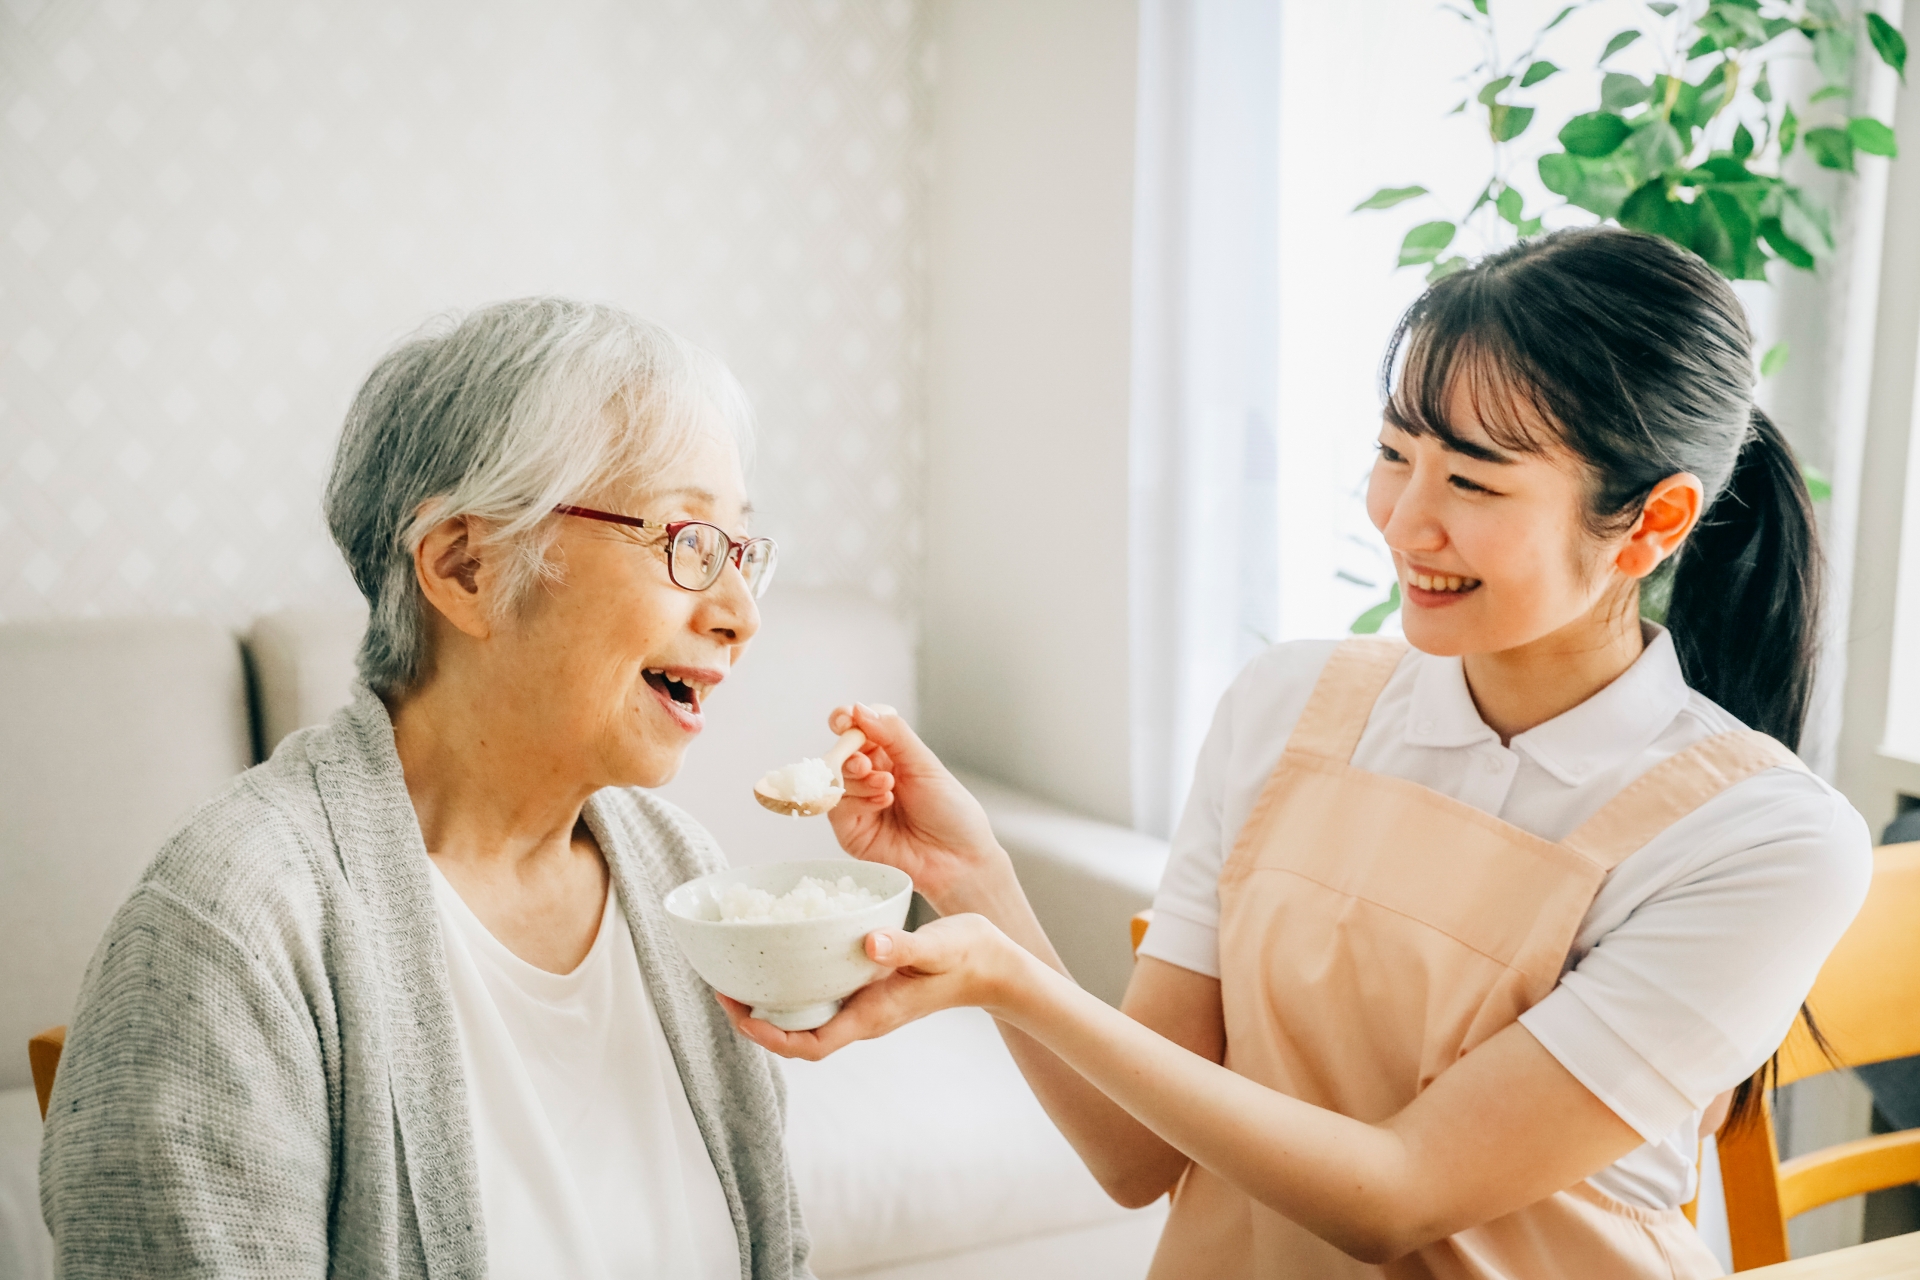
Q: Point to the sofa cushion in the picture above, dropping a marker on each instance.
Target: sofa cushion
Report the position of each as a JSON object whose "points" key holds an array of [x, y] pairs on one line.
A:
{"points": [[303, 667], [116, 728], [929, 1142]]}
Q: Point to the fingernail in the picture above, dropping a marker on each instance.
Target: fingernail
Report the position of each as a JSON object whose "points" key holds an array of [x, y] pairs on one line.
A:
{"points": [[882, 946], [841, 722], [882, 709], [863, 709]]}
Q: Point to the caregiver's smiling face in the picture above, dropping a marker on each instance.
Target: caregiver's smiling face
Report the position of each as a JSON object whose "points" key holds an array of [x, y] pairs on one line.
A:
{"points": [[1488, 542]]}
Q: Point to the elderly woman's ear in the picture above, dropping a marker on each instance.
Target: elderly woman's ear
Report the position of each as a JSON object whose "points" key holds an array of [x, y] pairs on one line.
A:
{"points": [[456, 576]]}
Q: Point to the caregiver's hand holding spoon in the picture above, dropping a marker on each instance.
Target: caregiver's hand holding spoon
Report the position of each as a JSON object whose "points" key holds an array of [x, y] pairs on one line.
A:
{"points": [[905, 809]]}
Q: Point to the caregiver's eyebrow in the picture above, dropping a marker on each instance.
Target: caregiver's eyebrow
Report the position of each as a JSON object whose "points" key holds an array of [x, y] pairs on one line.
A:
{"points": [[1481, 452]]}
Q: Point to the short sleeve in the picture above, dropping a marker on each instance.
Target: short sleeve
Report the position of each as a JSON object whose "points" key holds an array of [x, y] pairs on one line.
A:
{"points": [[1251, 724], [1186, 911], [1697, 986]]}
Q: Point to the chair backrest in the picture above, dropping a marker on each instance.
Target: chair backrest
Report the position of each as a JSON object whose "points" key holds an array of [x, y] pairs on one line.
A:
{"points": [[43, 1054], [114, 730], [1867, 1006]]}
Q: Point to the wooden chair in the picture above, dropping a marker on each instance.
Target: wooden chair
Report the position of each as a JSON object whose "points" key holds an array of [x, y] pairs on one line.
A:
{"points": [[1867, 1003], [43, 1052]]}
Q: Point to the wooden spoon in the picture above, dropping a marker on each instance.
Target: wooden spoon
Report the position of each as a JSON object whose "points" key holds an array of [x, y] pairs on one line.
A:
{"points": [[835, 760]]}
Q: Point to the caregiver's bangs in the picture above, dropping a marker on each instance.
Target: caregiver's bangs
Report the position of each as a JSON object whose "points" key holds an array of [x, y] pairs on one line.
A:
{"points": [[1438, 356]]}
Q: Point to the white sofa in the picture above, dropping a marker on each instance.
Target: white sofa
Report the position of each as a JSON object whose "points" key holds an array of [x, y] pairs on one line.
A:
{"points": [[920, 1157]]}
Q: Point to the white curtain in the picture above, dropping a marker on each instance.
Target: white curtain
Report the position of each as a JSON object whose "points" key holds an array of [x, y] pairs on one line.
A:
{"points": [[1203, 555]]}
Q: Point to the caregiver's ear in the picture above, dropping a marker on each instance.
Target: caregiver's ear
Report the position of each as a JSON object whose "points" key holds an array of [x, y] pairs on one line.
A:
{"points": [[1669, 515], [455, 576]]}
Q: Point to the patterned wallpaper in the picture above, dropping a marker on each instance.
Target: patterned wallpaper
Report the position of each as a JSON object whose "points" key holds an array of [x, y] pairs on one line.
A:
{"points": [[214, 214]]}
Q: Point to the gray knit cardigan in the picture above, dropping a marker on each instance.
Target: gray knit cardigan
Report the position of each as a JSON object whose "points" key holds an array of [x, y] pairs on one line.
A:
{"points": [[262, 1077]]}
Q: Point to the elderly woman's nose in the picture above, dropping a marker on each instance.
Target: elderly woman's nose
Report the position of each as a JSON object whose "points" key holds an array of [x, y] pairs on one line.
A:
{"points": [[731, 612]]}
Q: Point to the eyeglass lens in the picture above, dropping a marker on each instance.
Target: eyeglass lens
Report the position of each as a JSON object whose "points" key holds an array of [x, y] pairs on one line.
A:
{"points": [[700, 552]]}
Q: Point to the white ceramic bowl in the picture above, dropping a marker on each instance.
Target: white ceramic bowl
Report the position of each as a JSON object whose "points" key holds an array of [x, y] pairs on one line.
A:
{"points": [[795, 973]]}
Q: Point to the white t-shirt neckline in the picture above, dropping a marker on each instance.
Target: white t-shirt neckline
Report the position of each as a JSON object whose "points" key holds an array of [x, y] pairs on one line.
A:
{"points": [[590, 1161]]}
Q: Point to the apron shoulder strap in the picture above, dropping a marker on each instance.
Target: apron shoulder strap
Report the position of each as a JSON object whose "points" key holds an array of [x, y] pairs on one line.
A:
{"points": [[1673, 789], [1336, 712]]}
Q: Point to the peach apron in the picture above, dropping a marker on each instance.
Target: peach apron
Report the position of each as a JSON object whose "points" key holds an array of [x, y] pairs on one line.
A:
{"points": [[1372, 931]]}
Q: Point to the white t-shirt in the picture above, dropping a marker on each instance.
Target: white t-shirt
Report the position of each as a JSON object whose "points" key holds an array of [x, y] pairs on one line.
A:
{"points": [[591, 1165], [1694, 958]]}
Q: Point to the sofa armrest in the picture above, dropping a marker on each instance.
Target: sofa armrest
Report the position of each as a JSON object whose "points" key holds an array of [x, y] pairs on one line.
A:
{"points": [[1085, 878]]}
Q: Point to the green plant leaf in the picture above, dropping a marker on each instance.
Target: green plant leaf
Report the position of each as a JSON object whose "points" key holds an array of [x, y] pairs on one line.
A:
{"points": [[1424, 242], [1805, 219], [1831, 91], [1789, 249], [1505, 123], [1597, 133], [1619, 91], [1663, 9], [1657, 146], [1387, 197], [1872, 137], [1560, 173], [1826, 11], [1509, 206], [1618, 43], [1888, 43], [1831, 147], [1777, 27], [1721, 243], [1742, 142], [1652, 209], [1559, 18], [1741, 23], [1481, 6], [1763, 85], [1833, 54], [1789, 131], [1369, 622], [1457, 107], [1529, 228], [1444, 267], [1775, 360], [1536, 72], [1819, 488], [1703, 47], [1492, 89]]}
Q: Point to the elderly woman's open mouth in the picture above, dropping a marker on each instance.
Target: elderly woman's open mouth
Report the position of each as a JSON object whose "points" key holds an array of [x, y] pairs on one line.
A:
{"points": [[681, 690]]}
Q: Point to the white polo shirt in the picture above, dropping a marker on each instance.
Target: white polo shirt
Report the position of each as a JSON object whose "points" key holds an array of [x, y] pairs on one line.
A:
{"points": [[1699, 949]]}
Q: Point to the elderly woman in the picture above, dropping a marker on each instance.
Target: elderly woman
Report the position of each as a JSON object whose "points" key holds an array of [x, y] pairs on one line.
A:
{"points": [[401, 1001]]}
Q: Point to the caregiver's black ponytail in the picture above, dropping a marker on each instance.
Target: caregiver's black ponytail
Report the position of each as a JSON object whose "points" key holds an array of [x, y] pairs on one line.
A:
{"points": [[1635, 355], [1744, 604]]}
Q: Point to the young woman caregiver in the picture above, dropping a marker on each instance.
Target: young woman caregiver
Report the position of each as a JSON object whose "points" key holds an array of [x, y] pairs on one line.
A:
{"points": [[1465, 940]]}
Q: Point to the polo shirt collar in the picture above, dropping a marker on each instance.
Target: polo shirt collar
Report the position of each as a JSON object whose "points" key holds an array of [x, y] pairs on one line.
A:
{"points": [[1614, 724]]}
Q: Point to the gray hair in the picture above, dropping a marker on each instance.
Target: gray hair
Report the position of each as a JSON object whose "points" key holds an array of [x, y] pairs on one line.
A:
{"points": [[503, 414]]}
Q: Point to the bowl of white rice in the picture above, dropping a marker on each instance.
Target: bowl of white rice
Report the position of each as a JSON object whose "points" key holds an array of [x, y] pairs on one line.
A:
{"points": [[789, 938]]}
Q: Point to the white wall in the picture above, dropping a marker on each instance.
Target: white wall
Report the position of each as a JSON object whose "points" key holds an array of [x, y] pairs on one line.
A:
{"points": [[215, 214], [1024, 635]]}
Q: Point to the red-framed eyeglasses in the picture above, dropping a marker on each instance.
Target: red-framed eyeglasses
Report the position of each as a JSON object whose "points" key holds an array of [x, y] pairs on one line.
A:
{"points": [[698, 552]]}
